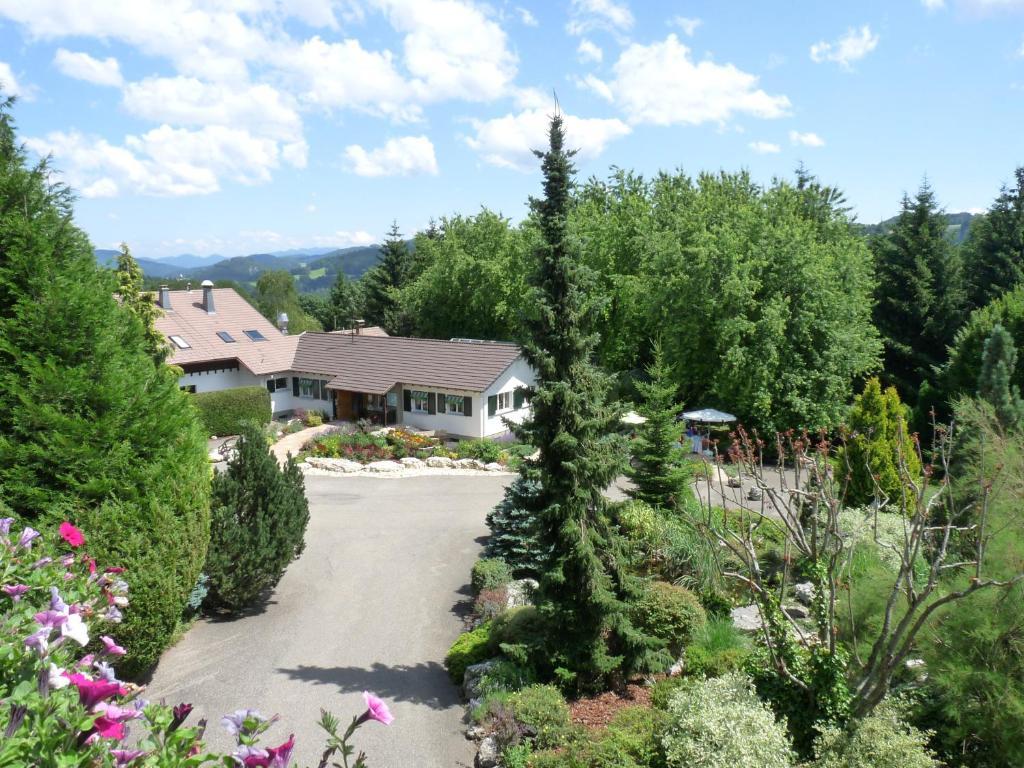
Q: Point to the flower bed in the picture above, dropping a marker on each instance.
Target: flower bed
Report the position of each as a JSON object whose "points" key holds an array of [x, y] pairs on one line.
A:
{"points": [[398, 443], [62, 699]]}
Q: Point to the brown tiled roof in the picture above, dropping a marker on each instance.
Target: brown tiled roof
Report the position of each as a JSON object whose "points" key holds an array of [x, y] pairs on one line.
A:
{"points": [[375, 364], [235, 315], [370, 330]]}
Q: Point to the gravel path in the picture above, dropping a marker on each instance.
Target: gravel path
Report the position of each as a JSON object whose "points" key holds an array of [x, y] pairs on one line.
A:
{"points": [[373, 603]]}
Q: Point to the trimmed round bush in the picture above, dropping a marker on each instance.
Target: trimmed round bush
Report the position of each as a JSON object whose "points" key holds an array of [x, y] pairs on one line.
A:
{"points": [[881, 740], [468, 649], [224, 412], [516, 626], [669, 613], [489, 573], [542, 709], [720, 723]]}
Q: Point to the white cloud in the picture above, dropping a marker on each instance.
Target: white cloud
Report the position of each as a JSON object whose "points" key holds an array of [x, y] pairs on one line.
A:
{"points": [[452, 50], [509, 141], [1020, 51], [8, 82], [688, 25], [406, 156], [164, 161], [765, 147], [527, 18], [597, 85], [933, 5], [343, 238], [808, 139], [660, 84], [588, 51], [853, 46], [599, 14], [82, 66]]}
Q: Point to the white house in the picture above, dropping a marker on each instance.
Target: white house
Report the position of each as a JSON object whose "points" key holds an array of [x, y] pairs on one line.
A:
{"points": [[464, 387]]}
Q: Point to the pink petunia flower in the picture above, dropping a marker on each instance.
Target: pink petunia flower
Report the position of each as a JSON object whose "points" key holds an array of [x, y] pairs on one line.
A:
{"points": [[14, 591], [92, 692], [71, 534], [377, 710], [109, 646]]}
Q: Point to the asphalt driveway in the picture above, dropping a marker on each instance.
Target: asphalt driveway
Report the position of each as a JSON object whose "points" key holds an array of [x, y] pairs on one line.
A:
{"points": [[372, 604]]}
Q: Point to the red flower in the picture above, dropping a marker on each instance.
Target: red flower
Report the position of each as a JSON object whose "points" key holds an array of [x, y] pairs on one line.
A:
{"points": [[71, 535]]}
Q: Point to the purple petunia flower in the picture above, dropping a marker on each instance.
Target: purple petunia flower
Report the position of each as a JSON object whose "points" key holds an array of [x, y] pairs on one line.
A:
{"points": [[247, 755], [109, 646], [114, 615], [27, 537], [106, 671], [40, 640], [41, 562], [124, 757], [51, 618], [14, 591], [235, 722], [5, 525]]}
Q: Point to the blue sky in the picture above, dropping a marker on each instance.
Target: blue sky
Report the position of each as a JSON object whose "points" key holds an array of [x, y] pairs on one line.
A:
{"points": [[235, 126]]}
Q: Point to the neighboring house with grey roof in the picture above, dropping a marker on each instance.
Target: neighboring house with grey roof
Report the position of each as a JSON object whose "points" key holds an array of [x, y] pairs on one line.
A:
{"points": [[464, 387]]}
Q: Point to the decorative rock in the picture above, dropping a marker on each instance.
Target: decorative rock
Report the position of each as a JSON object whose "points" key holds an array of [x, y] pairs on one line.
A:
{"points": [[474, 674], [804, 592], [440, 462], [520, 592], [494, 467], [215, 456], [475, 732], [755, 494], [488, 755], [383, 466], [734, 482], [746, 618], [677, 669], [796, 611], [411, 462], [335, 465], [468, 464]]}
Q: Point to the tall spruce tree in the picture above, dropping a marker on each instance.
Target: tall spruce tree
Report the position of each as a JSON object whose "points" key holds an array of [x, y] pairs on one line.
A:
{"points": [[584, 591], [658, 475], [91, 429], [514, 525], [994, 251], [920, 300], [382, 283], [994, 382], [139, 303], [343, 303]]}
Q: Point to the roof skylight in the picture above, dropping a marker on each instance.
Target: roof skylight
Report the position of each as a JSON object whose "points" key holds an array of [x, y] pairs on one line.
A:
{"points": [[180, 343], [226, 337], [255, 335]]}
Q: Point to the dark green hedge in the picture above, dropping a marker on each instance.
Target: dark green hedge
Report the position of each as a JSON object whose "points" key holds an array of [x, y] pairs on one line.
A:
{"points": [[223, 413]]}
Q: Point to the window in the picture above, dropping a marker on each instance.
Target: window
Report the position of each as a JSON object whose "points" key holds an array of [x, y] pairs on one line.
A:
{"points": [[375, 402], [255, 335], [275, 384], [419, 401], [180, 343], [226, 337], [504, 401], [312, 389], [455, 404], [190, 388]]}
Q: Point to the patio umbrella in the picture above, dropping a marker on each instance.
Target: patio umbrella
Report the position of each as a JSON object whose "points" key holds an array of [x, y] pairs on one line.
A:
{"points": [[632, 417], [708, 416]]}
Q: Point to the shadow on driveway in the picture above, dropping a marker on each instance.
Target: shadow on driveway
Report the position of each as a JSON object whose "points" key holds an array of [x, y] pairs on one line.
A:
{"points": [[425, 683]]}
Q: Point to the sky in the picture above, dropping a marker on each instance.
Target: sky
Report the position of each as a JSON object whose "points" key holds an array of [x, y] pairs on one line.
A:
{"points": [[240, 126]]}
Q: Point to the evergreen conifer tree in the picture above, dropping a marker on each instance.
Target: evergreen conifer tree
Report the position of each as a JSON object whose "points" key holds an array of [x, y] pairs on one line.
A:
{"points": [[879, 443], [382, 283], [258, 526], [342, 303], [584, 590], [658, 475], [995, 247], [920, 299], [140, 304], [997, 365], [514, 525], [91, 430]]}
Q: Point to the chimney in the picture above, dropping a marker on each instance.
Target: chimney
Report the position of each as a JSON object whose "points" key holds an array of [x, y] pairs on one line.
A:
{"points": [[359, 326], [164, 298], [208, 298], [282, 322]]}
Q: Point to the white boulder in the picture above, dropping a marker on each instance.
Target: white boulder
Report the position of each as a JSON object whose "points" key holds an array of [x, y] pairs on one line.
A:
{"points": [[383, 466], [494, 467], [440, 462], [411, 462]]}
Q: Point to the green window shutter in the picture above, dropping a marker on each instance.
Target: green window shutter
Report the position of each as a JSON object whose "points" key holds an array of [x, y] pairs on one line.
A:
{"points": [[270, 385], [492, 405], [467, 405], [407, 397], [295, 385], [517, 398], [431, 403], [442, 402]]}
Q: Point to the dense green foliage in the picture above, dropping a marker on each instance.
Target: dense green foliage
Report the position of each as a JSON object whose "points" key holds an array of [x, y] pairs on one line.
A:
{"points": [[91, 429], [275, 294], [881, 740], [226, 411], [468, 649], [514, 527], [994, 253], [998, 363], [489, 573], [879, 443], [920, 299], [670, 613], [258, 523], [382, 283], [657, 473], [584, 591], [140, 304]]}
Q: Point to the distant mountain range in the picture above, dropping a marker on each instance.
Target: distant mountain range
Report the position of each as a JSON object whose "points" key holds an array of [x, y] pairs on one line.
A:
{"points": [[957, 226], [315, 269]]}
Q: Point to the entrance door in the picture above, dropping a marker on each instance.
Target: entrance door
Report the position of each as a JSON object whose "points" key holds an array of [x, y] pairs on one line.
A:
{"points": [[343, 405]]}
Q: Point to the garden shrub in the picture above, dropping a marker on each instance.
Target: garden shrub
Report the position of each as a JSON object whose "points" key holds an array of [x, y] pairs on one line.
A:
{"points": [[663, 690], [480, 449], [489, 573], [720, 723], [515, 632], [513, 524], [881, 740], [468, 649], [633, 737], [507, 676], [717, 648], [542, 709], [224, 412], [490, 602], [669, 613], [258, 526]]}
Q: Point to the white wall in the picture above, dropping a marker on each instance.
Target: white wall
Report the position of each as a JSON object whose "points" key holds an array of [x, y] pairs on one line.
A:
{"points": [[214, 381], [284, 401], [453, 424], [519, 374]]}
